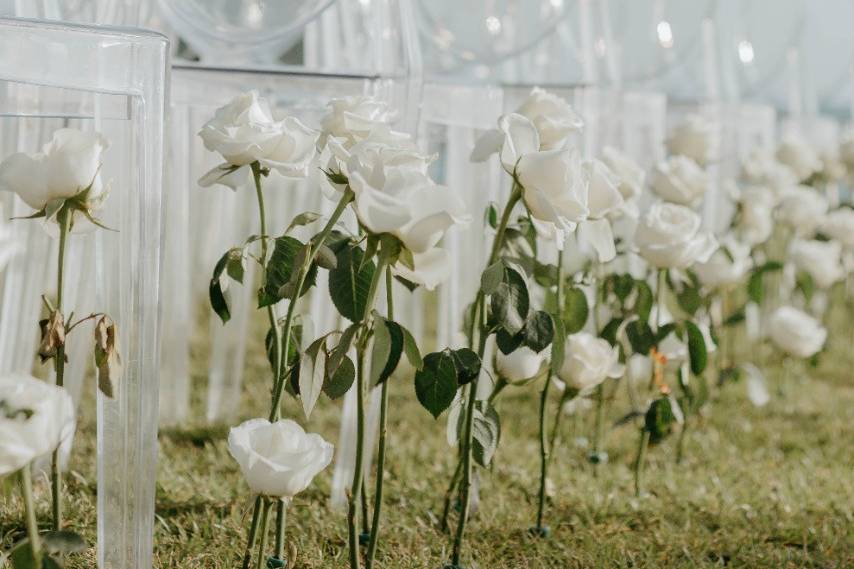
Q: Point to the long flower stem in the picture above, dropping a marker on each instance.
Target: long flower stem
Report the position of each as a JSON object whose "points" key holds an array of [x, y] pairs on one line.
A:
{"points": [[640, 460], [598, 427], [680, 445], [64, 220], [253, 532], [281, 514], [556, 426], [356, 486], [478, 319], [545, 448], [30, 512], [265, 512], [449, 495], [378, 491]]}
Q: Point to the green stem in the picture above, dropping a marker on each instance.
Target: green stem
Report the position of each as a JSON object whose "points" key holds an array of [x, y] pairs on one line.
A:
{"points": [[600, 389], [30, 512], [640, 461], [365, 516], [659, 302], [449, 495], [253, 532], [64, 220], [478, 320], [681, 443], [281, 514], [378, 491], [545, 449], [556, 425], [356, 486], [262, 547], [289, 318]]}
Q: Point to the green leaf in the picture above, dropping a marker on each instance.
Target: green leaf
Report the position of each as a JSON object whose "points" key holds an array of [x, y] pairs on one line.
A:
{"points": [[805, 284], [659, 420], [643, 301], [539, 331], [349, 284], [689, 300], [507, 342], [697, 351], [234, 266], [218, 294], [663, 331], [410, 286], [339, 352], [640, 337], [385, 357], [609, 332], [410, 348], [510, 302], [303, 218], [486, 431], [545, 275], [467, 365], [312, 375], [492, 277], [63, 542], [372, 245], [326, 258], [436, 383], [558, 346], [575, 310], [754, 287], [282, 270], [623, 285], [491, 215], [735, 318], [338, 383]]}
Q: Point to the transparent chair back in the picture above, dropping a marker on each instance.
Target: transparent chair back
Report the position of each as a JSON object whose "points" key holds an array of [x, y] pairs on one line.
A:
{"points": [[114, 81]]}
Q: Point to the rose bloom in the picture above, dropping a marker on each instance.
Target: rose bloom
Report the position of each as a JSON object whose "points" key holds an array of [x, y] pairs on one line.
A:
{"points": [[755, 221], [796, 332], [839, 225], [727, 266], [680, 180], [800, 157], [278, 459], [821, 260], [697, 139], [553, 117], [519, 366], [631, 175], [244, 131], [803, 209], [351, 119], [588, 361], [669, 236], [405, 202], [66, 166], [604, 201], [35, 417]]}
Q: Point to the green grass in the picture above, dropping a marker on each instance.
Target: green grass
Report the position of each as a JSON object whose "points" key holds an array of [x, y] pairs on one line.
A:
{"points": [[769, 487]]}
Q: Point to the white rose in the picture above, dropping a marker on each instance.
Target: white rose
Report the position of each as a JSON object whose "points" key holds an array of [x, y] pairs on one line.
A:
{"points": [[632, 176], [278, 459], [35, 417], [520, 366], [800, 157], [588, 361], [696, 138], [727, 266], [66, 166], [244, 131], [761, 167], [680, 180], [669, 236], [352, 119], [755, 221], [839, 225], [822, 260], [406, 203], [796, 332], [552, 115], [803, 209], [603, 200], [639, 369]]}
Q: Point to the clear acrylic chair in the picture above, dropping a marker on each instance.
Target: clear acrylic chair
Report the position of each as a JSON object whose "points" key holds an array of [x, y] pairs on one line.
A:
{"points": [[112, 80]]}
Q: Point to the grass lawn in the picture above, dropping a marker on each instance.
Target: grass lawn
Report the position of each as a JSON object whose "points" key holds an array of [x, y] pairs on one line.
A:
{"points": [[759, 487]]}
